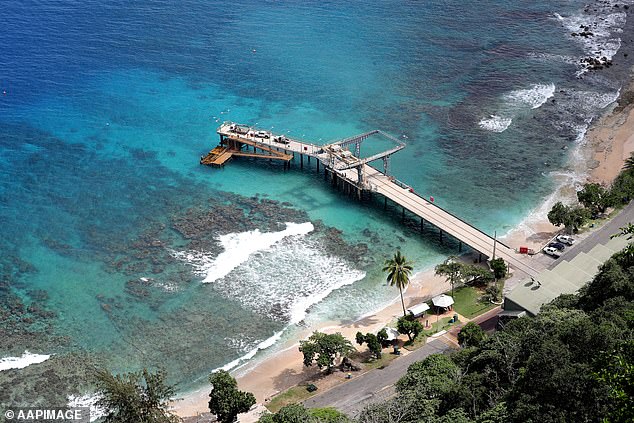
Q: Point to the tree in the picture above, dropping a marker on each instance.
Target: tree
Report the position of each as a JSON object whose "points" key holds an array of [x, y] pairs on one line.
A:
{"points": [[471, 335], [431, 378], [499, 268], [135, 397], [617, 372], [328, 415], [324, 348], [226, 401], [611, 281], [451, 269], [474, 274], [398, 271], [297, 413], [595, 197], [409, 327], [493, 293], [571, 217], [292, 413], [373, 342]]}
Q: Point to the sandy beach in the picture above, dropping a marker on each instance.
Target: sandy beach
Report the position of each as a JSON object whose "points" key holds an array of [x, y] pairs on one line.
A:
{"points": [[607, 144]]}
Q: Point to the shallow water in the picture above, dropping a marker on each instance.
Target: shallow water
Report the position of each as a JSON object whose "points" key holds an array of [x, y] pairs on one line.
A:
{"points": [[109, 106]]}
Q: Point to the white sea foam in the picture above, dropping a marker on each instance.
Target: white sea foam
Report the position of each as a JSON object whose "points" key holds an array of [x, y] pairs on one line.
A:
{"points": [[25, 360], [495, 123], [534, 97], [287, 274], [238, 247], [603, 24], [249, 355], [88, 400], [514, 102]]}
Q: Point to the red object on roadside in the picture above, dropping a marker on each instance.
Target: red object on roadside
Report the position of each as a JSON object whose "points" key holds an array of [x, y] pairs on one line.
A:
{"points": [[523, 250], [431, 198], [411, 190]]}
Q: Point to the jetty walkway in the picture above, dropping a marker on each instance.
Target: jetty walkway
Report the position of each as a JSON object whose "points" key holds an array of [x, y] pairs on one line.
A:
{"points": [[357, 177]]}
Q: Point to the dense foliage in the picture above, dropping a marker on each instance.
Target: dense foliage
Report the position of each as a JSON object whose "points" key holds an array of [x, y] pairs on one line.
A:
{"points": [[595, 199], [574, 362], [225, 400], [374, 342], [140, 397], [409, 326], [323, 349], [499, 268], [571, 217], [297, 413], [459, 273]]}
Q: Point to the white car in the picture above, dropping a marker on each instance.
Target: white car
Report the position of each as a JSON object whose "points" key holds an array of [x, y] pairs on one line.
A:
{"points": [[262, 134], [566, 239], [552, 251]]}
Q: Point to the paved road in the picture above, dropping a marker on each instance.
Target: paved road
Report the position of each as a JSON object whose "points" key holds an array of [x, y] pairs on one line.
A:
{"points": [[601, 236], [375, 385]]}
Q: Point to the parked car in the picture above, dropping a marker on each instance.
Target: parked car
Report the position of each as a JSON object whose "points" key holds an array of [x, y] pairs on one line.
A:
{"points": [[551, 251], [557, 245], [281, 139], [262, 134], [566, 239]]}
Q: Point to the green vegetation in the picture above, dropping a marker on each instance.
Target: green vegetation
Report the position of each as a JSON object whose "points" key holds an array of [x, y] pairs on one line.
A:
{"points": [[297, 413], [572, 362], [409, 326], [471, 335], [499, 268], [398, 272], [451, 269], [292, 395], [469, 302], [374, 342], [458, 273], [436, 327], [596, 199], [135, 397], [323, 349], [225, 401], [572, 217]]}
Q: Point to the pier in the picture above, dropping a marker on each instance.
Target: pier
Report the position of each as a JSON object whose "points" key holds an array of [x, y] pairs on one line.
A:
{"points": [[343, 165]]}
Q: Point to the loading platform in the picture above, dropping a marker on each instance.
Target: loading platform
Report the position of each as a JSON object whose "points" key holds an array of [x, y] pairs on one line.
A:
{"points": [[355, 175]]}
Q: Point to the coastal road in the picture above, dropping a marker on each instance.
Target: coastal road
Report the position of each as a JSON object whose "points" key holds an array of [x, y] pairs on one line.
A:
{"points": [[375, 385], [601, 236]]}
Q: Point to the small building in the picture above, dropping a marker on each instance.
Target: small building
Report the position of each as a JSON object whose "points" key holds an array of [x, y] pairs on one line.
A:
{"points": [[418, 310], [565, 278]]}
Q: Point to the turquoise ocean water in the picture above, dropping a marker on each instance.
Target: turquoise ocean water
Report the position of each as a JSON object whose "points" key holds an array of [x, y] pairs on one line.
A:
{"points": [[110, 226]]}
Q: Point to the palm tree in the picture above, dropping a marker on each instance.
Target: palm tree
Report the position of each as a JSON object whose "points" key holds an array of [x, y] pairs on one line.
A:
{"points": [[398, 271], [629, 163], [452, 269]]}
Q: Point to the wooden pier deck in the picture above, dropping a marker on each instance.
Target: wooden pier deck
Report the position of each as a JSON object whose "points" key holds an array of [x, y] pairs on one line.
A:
{"points": [[358, 175]]}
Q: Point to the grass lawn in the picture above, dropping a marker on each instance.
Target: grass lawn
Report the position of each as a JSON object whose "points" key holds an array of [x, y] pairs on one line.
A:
{"points": [[418, 342], [369, 362], [291, 396], [467, 302], [437, 327]]}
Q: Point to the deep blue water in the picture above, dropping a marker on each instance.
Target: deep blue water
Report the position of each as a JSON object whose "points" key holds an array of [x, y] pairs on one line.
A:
{"points": [[108, 106]]}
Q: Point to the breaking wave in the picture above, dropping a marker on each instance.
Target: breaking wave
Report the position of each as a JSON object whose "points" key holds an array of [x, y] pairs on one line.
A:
{"points": [[495, 123], [25, 360]]}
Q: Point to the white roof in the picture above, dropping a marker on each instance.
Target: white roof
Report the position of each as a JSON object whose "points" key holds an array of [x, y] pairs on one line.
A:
{"points": [[392, 333], [442, 300], [418, 309]]}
